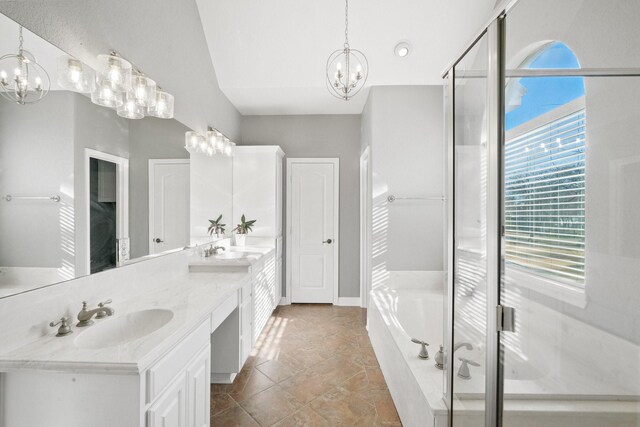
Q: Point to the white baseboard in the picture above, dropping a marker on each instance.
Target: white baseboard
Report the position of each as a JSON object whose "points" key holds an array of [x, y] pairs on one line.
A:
{"points": [[284, 301], [222, 378], [349, 301]]}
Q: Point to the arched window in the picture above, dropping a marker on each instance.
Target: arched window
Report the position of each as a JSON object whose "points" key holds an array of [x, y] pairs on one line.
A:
{"points": [[545, 170]]}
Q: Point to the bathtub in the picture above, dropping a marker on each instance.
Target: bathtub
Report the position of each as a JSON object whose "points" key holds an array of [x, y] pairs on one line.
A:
{"points": [[410, 305], [568, 389]]}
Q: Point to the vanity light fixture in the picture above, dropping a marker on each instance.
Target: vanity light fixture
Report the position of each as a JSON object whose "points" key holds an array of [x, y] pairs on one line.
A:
{"points": [[163, 106], [114, 72], [347, 69], [75, 76], [213, 142], [143, 91], [130, 109], [29, 82], [105, 96]]}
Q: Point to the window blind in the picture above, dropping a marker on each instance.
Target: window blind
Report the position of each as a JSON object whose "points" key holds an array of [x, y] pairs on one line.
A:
{"points": [[545, 199]]}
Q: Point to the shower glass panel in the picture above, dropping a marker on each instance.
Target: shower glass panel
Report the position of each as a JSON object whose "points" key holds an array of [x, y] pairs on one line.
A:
{"points": [[467, 363], [571, 214]]}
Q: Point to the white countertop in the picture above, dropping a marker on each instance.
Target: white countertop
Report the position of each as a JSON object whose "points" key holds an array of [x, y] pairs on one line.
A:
{"points": [[191, 297], [251, 255]]}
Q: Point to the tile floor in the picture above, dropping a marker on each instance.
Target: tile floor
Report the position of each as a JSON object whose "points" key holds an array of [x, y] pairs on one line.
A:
{"points": [[313, 365]]}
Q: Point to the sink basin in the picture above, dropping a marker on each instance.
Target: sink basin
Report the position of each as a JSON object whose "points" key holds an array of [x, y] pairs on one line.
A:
{"points": [[231, 255], [109, 332]]}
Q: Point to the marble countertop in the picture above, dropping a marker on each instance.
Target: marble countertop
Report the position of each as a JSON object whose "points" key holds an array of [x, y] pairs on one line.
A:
{"points": [[191, 297], [249, 256]]}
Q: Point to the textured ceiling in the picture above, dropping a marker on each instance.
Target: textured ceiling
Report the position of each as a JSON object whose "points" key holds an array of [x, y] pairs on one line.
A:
{"points": [[270, 55]]}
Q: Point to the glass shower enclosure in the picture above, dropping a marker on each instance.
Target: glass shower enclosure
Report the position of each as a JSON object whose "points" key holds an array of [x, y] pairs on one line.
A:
{"points": [[544, 208]]}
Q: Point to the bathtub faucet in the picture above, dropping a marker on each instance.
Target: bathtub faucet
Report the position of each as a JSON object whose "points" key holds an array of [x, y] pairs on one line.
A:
{"points": [[462, 344], [424, 354]]}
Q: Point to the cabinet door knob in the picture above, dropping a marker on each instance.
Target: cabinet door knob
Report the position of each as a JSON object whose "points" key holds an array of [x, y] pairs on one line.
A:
{"points": [[328, 241]]}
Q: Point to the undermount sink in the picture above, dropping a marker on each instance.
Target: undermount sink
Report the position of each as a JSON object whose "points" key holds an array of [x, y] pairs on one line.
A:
{"points": [[231, 255], [109, 332]]}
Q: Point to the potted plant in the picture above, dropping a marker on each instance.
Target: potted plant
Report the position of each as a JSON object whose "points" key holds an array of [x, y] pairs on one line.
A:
{"points": [[242, 230], [216, 227]]}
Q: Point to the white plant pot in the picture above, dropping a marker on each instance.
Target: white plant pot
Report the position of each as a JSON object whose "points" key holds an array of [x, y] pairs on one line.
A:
{"points": [[240, 238]]}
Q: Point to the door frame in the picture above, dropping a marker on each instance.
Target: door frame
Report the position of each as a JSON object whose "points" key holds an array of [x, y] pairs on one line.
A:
{"points": [[122, 197], [365, 226], [152, 163], [336, 220]]}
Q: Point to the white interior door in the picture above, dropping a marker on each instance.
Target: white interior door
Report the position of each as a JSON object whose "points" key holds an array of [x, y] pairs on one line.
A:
{"points": [[313, 229], [168, 204]]}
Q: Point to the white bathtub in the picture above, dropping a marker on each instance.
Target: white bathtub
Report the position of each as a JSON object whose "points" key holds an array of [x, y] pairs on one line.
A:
{"points": [[567, 391], [410, 306]]}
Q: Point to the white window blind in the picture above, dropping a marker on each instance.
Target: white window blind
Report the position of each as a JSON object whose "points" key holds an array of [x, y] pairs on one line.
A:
{"points": [[545, 199]]}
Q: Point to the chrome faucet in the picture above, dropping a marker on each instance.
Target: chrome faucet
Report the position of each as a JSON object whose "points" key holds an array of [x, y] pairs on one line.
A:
{"points": [[218, 249], [212, 250], [424, 354], [85, 316]]}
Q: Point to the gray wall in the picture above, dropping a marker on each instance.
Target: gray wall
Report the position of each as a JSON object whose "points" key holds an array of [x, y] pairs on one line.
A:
{"points": [[150, 138], [36, 159], [403, 126], [322, 136], [179, 59]]}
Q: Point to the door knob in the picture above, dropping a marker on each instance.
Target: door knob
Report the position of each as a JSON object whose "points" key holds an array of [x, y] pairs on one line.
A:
{"points": [[329, 241], [158, 240]]}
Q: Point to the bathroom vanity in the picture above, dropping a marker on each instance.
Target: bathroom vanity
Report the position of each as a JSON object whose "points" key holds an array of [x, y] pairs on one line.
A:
{"points": [[151, 363]]}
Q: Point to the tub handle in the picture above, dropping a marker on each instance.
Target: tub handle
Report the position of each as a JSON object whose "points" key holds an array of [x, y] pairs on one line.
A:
{"points": [[424, 354]]}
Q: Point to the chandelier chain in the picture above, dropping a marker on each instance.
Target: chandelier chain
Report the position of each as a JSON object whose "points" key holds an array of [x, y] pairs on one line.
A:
{"points": [[346, 24], [20, 39]]}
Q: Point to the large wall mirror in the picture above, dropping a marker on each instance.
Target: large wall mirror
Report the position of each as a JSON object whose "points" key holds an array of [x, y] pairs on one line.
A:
{"points": [[82, 189]]}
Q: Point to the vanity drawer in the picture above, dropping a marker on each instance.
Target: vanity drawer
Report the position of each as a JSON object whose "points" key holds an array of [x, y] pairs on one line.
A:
{"points": [[222, 312], [159, 376]]}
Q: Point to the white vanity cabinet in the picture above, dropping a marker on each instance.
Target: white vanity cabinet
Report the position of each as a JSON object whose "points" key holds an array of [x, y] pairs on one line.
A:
{"points": [[177, 386]]}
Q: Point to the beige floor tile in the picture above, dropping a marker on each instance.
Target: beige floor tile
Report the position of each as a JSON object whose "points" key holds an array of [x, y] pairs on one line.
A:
{"points": [[304, 417], [220, 402], [342, 408], [233, 417], [248, 383], [271, 405]]}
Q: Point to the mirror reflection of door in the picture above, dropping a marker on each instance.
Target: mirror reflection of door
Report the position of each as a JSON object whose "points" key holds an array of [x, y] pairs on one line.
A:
{"points": [[102, 213], [168, 204]]}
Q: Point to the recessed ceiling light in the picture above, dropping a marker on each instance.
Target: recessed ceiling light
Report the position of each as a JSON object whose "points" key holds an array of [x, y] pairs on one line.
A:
{"points": [[402, 49]]}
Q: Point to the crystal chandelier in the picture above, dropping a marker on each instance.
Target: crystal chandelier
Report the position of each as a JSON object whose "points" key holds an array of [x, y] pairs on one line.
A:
{"points": [[30, 81], [347, 69]]}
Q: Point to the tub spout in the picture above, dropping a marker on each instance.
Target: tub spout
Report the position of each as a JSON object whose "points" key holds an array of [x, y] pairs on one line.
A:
{"points": [[424, 354], [462, 344]]}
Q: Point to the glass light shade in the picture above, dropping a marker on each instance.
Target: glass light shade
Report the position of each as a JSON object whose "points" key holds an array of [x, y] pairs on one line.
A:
{"points": [[114, 72], [106, 97], [143, 91], [163, 107], [228, 148], [191, 140], [212, 139], [219, 142], [75, 76], [130, 110]]}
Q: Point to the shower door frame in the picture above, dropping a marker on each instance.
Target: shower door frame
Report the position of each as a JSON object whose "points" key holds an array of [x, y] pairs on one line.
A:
{"points": [[494, 119]]}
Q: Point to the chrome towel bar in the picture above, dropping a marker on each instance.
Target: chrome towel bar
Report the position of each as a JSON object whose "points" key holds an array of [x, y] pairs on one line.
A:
{"points": [[9, 198]]}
